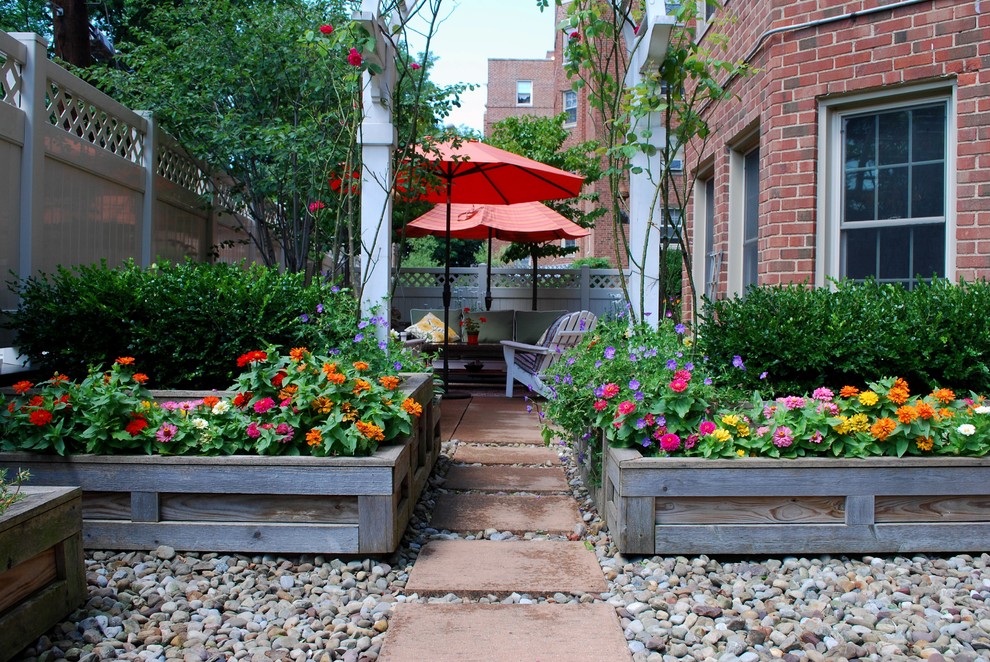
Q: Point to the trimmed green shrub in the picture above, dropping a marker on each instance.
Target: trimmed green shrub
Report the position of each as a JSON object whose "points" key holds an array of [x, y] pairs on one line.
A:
{"points": [[794, 338], [185, 323]]}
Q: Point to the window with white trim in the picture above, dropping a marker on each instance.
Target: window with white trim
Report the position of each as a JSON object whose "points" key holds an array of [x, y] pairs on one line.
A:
{"points": [[570, 104], [711, 262], [524, 93], [886, 190], [751, 218]]}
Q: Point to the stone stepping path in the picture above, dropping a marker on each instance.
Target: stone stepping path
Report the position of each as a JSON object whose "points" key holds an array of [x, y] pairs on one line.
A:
{"points": [[506, 479], [512, 459], [487, 633], [470, 513], [475, 454], [531, 566]]}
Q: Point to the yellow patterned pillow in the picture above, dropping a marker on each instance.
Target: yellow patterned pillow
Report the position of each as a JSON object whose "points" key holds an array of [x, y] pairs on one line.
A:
{"points": [[430, 329]]}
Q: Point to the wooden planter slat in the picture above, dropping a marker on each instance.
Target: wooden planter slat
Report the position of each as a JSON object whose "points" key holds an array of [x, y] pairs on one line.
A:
{"points": [[343, 505], [804, 506], [41, 564]]}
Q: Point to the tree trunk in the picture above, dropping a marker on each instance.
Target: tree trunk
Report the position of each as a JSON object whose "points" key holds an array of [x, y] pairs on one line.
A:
{"points": [[70, 20]]}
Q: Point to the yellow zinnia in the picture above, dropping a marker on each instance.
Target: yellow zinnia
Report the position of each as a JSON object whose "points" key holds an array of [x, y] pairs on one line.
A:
{"points": [[722, 435], [868, 398]]}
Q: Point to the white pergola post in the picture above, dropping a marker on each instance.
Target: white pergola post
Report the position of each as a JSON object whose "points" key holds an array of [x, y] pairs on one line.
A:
{"points": [[378, 139], [647, 49]]}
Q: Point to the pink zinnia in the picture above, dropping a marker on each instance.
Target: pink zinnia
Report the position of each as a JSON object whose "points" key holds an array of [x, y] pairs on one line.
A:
{"points": [[678, 386], [691, 441], [166, 432], [706, 427], [627, 407], [600, 405], [823, 394], [683, 375], [354, 58], [261, 406], [670, 442], [610, 390], [252, 430], [783, 437], [817, 437]]}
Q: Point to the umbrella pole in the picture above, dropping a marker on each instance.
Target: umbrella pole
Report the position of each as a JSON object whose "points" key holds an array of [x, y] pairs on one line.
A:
{"points": [[446, 295], [532, 255], [488, 284]]}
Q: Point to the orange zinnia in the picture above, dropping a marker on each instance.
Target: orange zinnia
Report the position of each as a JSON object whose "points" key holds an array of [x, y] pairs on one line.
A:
{"points": [[140, 377], [906, 414], [22, 387], [943, 395], [849, 392], [361, 385], [389, 382], [329, 368], [297, 353], [336, 378], [882, 428], [210, 401], [412, 407], [898, 394], [125, 360], [924, 443], [287, 392], [370, 430], [925, 411], [314, 437], [360, 365]]}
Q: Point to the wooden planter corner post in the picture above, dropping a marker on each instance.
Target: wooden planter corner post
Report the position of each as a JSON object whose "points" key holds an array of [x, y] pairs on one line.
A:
{"points": [[254, 504], [669, 506], [42, 576]]}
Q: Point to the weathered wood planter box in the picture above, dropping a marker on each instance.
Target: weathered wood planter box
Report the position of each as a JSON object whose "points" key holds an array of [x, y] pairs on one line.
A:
{"points": [[42, 577], [806, 506], [340, 505]]}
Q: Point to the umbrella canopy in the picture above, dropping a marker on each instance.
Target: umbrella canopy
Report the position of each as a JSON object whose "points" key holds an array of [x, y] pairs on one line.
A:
{"points": [[524, 222], [473, 172]]}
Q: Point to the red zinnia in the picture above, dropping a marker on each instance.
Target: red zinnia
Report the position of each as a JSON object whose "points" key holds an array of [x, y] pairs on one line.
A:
{"points": [[40, 417], [36, 401], [140, 377], [137, 424], [242, 399], [20, 388], [255, 356]]}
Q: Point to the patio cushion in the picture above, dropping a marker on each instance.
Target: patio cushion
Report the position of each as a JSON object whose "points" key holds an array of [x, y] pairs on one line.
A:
{"points": [[416, 314], [496, 327], [430, 328], [532, 324]]}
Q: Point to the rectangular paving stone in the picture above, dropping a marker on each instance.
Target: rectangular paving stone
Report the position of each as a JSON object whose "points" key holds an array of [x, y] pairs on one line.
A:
{"points": [[501, 421], [504, 633], [451, 413], [474, 454], [518, 514], [536, 567], [506, 479]]}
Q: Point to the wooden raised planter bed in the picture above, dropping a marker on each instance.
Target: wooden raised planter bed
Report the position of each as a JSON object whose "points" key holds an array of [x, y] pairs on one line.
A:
{"points": [[240, 503], [42, 577], [673, 506]]}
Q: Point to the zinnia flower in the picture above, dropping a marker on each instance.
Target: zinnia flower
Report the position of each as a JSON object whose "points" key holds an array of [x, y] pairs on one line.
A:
{"points": [[944, 395], [166, 432], [370, 430], [924, 443], [297, 354], [823, 394], [255, 356], [389, 382], [722, 436], [139, 377], [412, 407], [906, 414], [263, 405], [252, 430], [125, 360], [670, 442], [849, 392], [354, 58], [360, 365], [627, 407], [600, 405], [706, 427], [868, 398], [678, 386], [882, 428], [610, 390], [783, 437], [221, 407], [414, 66], [22, 387], [137, 424], [314, 437], [40, 417], [966, 429]]}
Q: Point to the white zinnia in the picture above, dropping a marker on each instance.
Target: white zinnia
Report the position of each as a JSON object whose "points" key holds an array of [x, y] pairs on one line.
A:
{"points": [[221, 407], [966, 429], [200, 424], [982, 409]]}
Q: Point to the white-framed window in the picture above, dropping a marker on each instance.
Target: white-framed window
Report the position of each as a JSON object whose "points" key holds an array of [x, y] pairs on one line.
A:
{"points": [[744, 214], [570, 105], [887, 191], [751, 218], [568, 243], [524, 93], [706, 269]]}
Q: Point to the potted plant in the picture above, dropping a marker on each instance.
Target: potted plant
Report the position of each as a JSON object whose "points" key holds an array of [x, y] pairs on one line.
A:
{"points": [[471, 326]]}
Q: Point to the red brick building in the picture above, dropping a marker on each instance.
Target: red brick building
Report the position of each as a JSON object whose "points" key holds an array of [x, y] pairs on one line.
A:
{"points": [[520, 87], [861, 148]]}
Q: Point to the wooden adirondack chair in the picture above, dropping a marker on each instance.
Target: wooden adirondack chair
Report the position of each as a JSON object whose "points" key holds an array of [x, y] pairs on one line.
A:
{"points": [[525, 363]]}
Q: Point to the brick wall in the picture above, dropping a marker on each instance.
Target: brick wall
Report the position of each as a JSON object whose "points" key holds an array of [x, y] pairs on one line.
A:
{"points": [[502, 78], [800, 69]]}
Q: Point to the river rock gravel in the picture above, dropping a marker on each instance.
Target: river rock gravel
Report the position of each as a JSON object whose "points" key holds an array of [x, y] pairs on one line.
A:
{"points": [[165, 605]]}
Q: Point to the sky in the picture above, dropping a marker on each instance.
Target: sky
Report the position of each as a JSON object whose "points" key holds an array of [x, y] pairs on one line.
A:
{"points": [[476, 30]]}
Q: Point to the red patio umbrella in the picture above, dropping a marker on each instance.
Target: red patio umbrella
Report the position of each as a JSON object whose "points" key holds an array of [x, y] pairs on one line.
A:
{"points": [[473, 172], [524, 222]]}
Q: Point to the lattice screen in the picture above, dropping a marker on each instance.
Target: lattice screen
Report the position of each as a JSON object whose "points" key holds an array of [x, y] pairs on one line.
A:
{"points": [[11, 80], [180, 169], [604, 282], [82, 118]]}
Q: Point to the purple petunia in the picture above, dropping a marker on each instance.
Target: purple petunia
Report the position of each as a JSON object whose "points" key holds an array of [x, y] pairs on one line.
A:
{"points": [[737, 362], [680, 329], [319, 308], [304, 318], [634, 384], [610, 353], [671, 364], [359, 337]]}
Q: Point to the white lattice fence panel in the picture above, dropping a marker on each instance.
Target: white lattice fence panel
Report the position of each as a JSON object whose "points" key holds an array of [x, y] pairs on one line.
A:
{"points": [[77, 116], [182, 170], [11, 80], [558, 280], [512, 280], [604, 281]]}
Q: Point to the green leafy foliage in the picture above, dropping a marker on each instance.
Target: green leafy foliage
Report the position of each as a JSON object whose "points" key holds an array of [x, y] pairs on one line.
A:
{"points": [[182, 321], [803, 337], [10, 490]]}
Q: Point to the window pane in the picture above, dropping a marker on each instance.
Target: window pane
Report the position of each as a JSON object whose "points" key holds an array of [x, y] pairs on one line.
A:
{"points": [[892, 198], [928, 190], [893, 137], [928, 133], [895, 253], [860, 142], [929, 250], [751, 258], [860, 253], [752, 209], [859, 200]]}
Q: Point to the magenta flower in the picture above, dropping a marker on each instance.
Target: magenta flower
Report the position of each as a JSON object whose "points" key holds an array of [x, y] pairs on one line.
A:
{"points": [[261, 406], [683, 375], [414, 66], [678, 386], [166, 432], [252, 430], [823, 394], [817, 437], [610, 390], [670, 442], [783, 437], [316, 206], [354, 58], [706, 427], [691, 441], [600, 405], [627, 407]]}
